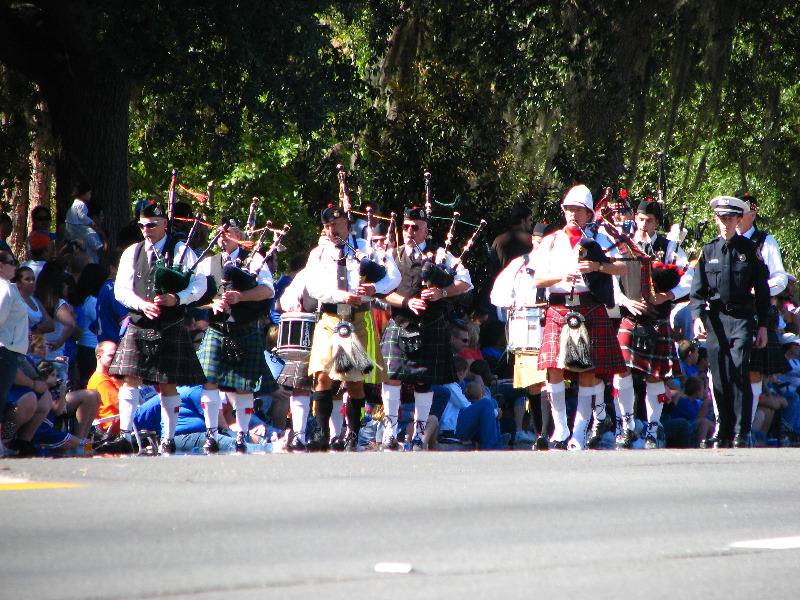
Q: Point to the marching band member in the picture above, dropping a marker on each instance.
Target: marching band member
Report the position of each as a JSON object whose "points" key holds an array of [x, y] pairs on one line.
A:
{"points": [[231, 352], [729, 282], [645, 334], [416, 343], [156, 347], [334, 280], [577, 274]]}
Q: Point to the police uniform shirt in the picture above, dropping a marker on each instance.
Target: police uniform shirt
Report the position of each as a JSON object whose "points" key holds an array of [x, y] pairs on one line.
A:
{"points": [[771, 254], [726, 274], [126, 275], [322, 265]]}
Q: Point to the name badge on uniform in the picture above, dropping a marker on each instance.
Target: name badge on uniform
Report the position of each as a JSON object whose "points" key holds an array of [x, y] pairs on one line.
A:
{"points": [[713, 261]]}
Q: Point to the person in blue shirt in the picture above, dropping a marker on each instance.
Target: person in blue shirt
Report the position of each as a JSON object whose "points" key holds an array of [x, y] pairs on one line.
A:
{"points": [[110, 312]]}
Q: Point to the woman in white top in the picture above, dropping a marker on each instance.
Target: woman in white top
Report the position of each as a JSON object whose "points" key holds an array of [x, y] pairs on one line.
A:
{"points": [[40, 321]]}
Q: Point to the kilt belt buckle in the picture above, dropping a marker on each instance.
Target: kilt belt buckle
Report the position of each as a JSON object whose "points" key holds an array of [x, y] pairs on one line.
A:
{"points": [[343, 310], [572, 300]]}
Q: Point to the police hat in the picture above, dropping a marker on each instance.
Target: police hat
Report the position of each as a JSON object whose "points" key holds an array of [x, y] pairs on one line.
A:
{"points": [[153, 210], [728, 205], [331, 213], [650, 207], [415, 213]]}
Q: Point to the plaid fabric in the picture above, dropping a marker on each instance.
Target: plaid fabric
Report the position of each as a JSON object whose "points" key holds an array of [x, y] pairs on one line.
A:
{"points": [[176, 362], [605, 350], [769, 359], [434, 363], [661, 361], [322, 352], [244, 375], [295, 375]]}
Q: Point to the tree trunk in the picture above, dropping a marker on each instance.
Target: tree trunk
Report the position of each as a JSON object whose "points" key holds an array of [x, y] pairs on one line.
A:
{"points": [[91, 124]]}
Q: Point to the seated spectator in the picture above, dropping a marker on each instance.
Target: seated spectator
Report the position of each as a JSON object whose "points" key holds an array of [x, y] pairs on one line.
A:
{"points": [[41, 249], [110, 312], [769, 403], [6, 227], [40, 221], [493, 348], [80, 226], [688, 353], [472, 349], [693, 406], [106, 386], [39, 320], [87, 320], [788, 383], [28, 403], [50, 290]]}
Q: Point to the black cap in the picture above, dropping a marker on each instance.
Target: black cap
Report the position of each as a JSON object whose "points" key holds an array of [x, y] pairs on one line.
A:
{"points": [[229, 220], [152, 210], [331, 213], [380, 230], [415, 213], [651, 207], [751, 200]]}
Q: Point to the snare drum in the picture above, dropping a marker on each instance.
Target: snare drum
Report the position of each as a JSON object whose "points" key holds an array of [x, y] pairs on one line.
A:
{"points": [[295, 332], [524, 333]]}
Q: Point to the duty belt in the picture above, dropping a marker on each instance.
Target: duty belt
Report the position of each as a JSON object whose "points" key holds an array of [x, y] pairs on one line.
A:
{"points": [[729, 307], [571, 299]]}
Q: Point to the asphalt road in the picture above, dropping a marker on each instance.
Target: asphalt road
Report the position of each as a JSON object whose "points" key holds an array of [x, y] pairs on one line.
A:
{"points": [[650, 524]]}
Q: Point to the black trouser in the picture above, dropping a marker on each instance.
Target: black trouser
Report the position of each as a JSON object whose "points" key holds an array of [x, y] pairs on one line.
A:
{"points": [[730, 341]]}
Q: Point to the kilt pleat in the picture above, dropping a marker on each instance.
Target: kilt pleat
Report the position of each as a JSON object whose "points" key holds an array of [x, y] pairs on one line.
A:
{"points": [[661, 361], [432, 364], [244, 375], [769, 359], [605, 352], [295, 375], [175, 363]]}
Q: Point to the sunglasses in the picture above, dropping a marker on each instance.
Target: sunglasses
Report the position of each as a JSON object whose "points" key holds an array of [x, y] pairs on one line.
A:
{"points": [[149, 225], [410, 227], [465, 340]]}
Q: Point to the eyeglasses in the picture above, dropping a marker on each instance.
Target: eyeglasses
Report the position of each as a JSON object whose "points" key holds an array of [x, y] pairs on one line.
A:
{"points": [[148, 225], [465, 340], [410, 227]]}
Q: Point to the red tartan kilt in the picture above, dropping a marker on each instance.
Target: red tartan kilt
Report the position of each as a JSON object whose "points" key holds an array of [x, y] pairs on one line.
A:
{"points": [[661, 362], [605, 350]]}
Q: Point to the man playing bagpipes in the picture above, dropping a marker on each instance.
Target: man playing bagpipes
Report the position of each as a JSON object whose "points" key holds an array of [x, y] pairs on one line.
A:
{"points": [[231, 353], [416, 343], [579, 336], [343, 278], [156, 347], [646, 296]]}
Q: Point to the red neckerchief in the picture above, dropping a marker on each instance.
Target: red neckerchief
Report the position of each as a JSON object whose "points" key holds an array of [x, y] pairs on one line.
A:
{"points": [[574, 234]]}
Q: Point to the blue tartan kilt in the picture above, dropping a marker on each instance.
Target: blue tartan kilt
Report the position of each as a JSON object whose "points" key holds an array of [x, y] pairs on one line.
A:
{"points": [[295, 375], [176, 361], [769, 359], [432, 364], [244, 375]]}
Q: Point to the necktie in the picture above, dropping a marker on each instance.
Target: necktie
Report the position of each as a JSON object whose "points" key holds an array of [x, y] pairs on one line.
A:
{"points": [[341, 269]]}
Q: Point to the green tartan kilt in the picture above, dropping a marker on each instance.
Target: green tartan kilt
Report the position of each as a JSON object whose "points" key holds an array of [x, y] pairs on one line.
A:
{"points": [[432, 364], [244, 375]]}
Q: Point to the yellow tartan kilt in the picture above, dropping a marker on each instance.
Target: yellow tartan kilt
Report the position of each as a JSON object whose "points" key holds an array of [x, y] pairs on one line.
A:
{"points": [[321, 352], [526, 370]]}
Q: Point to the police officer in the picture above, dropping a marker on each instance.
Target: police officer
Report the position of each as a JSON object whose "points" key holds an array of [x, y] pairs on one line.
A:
{"points": [[729, 280]]}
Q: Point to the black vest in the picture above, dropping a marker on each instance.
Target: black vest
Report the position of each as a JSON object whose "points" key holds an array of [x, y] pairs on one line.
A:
{"points": [[143, 286]]}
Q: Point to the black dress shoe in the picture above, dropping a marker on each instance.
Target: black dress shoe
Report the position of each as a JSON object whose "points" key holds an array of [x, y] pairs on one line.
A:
{"points": [[295, 445], [720, 443], [337, 444], [118, 444], [211, 445], [624, 441], [541, 443], [318, 443], [562, 445], [24, 448], [167, 447], [742, 441], [351, 442], [598, 429]]}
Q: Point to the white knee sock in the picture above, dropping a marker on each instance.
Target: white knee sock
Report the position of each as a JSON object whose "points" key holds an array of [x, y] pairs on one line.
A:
{"points": [[128, 402], [757, 391], [300, 406], [654, 407], [625, 400], [422, 410], [211, 403], [170, 406], [391, 410], [582, 415], [337, 419], [558, 407], [244, 410], [600, 400]]}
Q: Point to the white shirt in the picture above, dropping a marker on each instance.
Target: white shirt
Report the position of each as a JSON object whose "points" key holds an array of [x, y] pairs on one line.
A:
{"points": [[771, 253], [323, 272], [14, 326], [514, 285], [126, 275], [78, 213], [555, 255], [458, 402]]}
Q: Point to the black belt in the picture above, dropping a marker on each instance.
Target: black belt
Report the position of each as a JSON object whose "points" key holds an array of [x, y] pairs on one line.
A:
{"points": [[331, 309], [228, 328], [571, 300], [729, 307]]}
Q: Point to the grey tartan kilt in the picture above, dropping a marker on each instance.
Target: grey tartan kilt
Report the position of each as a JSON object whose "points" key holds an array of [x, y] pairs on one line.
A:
{"points": [[770, 359], [432, 364], [175, 363], [244, 375], [295, 375]]}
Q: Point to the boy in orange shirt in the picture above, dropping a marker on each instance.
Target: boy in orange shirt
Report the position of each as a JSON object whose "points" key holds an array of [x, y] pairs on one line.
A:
{"points": [[106, 385]]}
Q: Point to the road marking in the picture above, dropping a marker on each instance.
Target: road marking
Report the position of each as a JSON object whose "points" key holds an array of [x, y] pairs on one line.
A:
{"points": [[784, 543], [5, 487], [400, 568]]}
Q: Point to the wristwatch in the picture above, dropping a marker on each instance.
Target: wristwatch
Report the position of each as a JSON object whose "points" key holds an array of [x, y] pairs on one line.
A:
{"points": [[444, 292], [600, 268]]}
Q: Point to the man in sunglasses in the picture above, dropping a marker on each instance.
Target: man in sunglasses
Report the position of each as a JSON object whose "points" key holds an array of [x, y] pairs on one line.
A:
{"points": [[156, 347], [416, 343]]}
